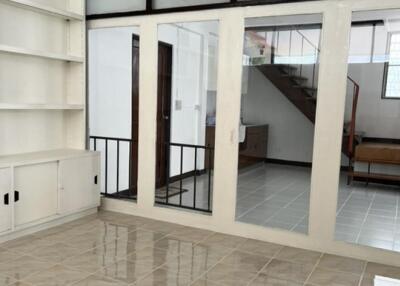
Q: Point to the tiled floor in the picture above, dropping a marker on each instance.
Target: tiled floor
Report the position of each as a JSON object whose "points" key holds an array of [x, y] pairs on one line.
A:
{"points": [[111, 249], [278, 196]]}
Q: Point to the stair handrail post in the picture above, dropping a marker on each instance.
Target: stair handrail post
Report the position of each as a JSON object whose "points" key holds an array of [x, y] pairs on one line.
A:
{"points": [[352, 131]]}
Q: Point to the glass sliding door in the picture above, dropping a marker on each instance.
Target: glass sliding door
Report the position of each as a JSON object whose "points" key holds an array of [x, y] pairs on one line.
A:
{"points": [[187, 69], [368, 210], [276, 130], [113, 107]]}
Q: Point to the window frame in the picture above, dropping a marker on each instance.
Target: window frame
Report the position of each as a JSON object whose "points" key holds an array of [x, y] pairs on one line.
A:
{"points": [[386, 69]]}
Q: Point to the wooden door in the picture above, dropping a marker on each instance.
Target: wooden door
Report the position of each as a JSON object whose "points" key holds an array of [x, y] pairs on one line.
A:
{"points": [[135, 117], [163, 111]]}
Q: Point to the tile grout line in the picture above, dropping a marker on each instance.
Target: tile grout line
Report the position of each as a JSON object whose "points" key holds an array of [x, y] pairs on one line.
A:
{"points": [[363, 273], [344, 203], [365, 218], [265, 266], [314, 268]]}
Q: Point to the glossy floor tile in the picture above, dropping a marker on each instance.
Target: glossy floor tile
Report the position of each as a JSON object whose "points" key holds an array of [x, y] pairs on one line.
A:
{"points": [[123, 250]]}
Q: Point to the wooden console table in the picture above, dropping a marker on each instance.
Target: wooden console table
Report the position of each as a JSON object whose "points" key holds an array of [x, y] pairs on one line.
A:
{"points": [[375, 153]]}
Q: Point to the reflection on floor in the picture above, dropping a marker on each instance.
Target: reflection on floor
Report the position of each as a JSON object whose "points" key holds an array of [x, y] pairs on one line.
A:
{"points": [[112, 249]]}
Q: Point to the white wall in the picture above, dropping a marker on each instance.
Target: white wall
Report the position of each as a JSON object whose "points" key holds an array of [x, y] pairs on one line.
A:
{"points": [[376, 117], [110, 95], [290, 132]]}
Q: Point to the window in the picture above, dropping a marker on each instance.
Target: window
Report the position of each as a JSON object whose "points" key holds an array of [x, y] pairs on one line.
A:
{"points": [[392, 68]]}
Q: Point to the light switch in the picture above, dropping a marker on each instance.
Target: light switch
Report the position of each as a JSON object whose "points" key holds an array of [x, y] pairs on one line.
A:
{"points": [[178, 104]]}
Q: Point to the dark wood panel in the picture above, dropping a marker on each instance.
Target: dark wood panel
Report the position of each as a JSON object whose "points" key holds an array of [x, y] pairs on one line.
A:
{"points": [[163, 111]]}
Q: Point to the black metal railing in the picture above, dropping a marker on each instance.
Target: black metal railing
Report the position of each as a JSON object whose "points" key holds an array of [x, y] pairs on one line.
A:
{"points": [[116, 191], [308, 55], [174, 185]]}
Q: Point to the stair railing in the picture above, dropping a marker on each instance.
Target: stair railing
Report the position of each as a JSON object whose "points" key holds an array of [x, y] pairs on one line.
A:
{"points": [[356, 94], [352, 130], [316, 56], [356, 87]]}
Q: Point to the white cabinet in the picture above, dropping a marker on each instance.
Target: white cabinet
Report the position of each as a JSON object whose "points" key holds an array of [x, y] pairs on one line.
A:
{"points": [[78, 184], [5, 199], [47, 187], [35, 194]]}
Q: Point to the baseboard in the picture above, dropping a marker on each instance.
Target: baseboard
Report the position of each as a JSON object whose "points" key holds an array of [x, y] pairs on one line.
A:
{"points": [[381, 140], [187, 175], [288, 162]]}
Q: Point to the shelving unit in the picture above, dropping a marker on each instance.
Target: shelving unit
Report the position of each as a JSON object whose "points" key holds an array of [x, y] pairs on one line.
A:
{"points": [[11, 106], [42, 88], [46, 55], [41, 8]]}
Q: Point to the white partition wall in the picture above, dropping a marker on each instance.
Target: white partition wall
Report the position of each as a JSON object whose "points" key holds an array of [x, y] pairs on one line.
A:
{"points": [[326, 159]]}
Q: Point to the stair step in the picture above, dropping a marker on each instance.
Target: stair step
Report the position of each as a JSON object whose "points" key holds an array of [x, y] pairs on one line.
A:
{"points": [[295, 77], [307, 88]]}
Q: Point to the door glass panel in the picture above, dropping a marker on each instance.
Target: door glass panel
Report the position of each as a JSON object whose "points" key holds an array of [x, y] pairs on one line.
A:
{"points": [[276, 129], [368, 201], [107, 6], [186, 110], [162, 4], [113, 107]]}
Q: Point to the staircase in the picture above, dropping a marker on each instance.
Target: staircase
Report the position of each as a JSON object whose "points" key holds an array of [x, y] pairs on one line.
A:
{"points": [[300, 89]]}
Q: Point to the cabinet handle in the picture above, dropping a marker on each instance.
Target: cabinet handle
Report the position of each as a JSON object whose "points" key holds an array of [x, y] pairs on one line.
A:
{"points": [[16, 196], [6, 199], [95, 180]]}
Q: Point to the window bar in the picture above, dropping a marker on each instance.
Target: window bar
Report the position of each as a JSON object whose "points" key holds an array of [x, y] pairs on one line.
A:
{"points": [[273, 47], [373, 42], [130, 166], [181, 179], [106, 167], [167, 171], [118, 167], [210, 163], [277, 45], [195, 177], [302, 56], [314, 67]]}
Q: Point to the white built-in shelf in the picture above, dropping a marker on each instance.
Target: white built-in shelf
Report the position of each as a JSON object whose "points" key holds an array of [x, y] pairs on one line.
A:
{"points": [[24, 106], [37, 7], [47, 55]]}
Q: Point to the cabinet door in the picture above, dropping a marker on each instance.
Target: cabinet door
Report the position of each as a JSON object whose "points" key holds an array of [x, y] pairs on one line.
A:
{"points": [[35, 192], [5, 200], [77, 184]]}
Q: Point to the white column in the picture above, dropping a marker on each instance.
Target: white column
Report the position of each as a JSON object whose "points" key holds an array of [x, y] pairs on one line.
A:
{"points": [[147, 114], [329, 122], [228, 115]]}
